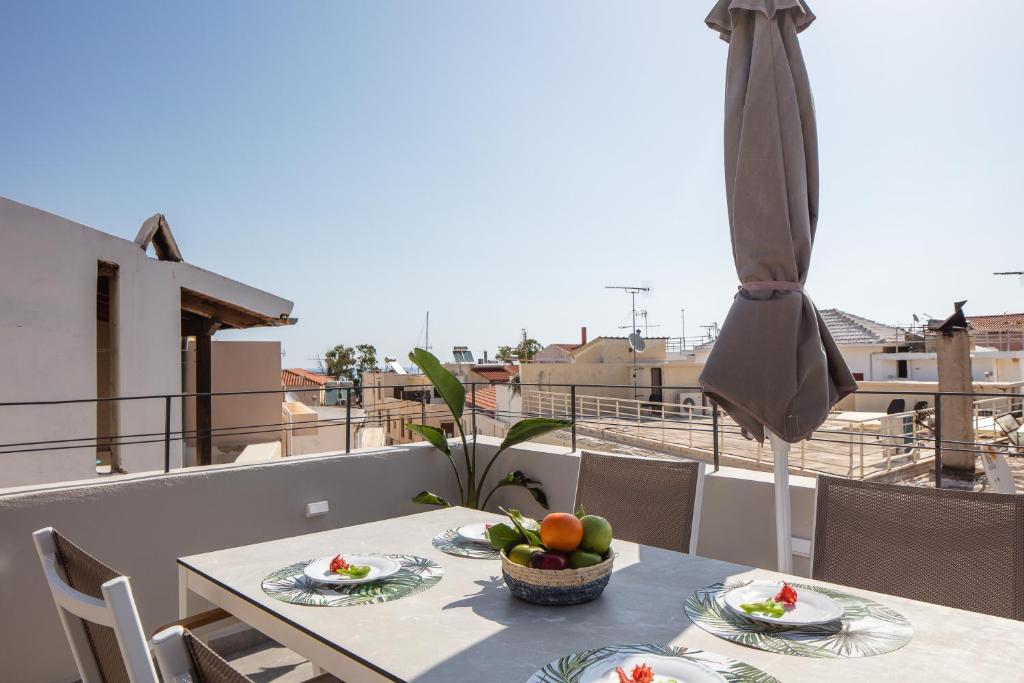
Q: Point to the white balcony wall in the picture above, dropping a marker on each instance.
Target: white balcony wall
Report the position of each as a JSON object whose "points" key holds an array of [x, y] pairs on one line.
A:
{"points": [[140, 524]]}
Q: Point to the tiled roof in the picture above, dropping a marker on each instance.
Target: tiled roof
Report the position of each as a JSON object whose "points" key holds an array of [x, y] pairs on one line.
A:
{"points": [[847, 328], [297, 377], [497, 374], [997, 323], [486, 398]]}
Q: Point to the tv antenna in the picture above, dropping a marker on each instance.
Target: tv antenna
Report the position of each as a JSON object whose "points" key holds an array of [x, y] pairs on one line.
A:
{"points": [[319, 362], [633, 290]]}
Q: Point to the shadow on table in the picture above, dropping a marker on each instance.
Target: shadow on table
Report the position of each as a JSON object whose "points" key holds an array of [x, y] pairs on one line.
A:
{"points": [[643, 603]]}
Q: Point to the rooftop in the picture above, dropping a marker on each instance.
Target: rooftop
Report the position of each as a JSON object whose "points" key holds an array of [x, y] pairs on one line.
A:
{"points": [[997, 323], [297, 377], [847, 328]]}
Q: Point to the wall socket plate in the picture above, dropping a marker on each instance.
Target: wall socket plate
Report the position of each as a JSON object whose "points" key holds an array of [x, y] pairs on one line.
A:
{"points": [[318, 508]]}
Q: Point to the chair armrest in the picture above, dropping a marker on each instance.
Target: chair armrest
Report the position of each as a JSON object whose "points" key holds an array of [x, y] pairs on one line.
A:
{"points": [[198, 620]]}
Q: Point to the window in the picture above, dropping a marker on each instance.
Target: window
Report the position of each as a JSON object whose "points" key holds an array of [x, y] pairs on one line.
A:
{"points": [[901, 369]]}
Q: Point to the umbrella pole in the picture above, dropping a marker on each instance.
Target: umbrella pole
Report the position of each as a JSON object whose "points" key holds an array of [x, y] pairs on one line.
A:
{"points": [[783, 519]]}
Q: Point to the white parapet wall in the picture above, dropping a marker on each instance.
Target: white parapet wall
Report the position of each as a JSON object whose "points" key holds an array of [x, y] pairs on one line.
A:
{"points": [[140, 524]]}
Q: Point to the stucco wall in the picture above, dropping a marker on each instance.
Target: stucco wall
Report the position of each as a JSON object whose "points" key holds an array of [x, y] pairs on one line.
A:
{"points": [[48, 269]]}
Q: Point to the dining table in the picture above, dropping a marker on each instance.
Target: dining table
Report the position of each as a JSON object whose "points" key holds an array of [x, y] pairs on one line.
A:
{"points": [[468, 627]]}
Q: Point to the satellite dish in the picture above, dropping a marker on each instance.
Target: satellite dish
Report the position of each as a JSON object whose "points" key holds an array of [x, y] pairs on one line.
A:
{"points": [[636, 342]]}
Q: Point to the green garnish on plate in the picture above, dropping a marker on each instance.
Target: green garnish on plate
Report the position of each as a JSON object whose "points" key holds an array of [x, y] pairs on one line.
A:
{"points": [[767, 607], [354, 571]]}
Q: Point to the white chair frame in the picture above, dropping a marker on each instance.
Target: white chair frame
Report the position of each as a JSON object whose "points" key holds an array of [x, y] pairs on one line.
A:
{"points": [[116, 610], [172, 655]]}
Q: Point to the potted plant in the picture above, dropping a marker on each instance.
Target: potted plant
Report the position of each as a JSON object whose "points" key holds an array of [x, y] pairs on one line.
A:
{"points": [[451, 390]]}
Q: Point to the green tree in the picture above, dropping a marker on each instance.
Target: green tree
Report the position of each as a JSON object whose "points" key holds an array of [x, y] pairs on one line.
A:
{"points": [[367, 359], [340, 361], [525, 350]]}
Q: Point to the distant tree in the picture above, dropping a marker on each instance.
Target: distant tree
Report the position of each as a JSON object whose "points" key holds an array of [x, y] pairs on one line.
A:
{"points": [[340, 361], [347, 362], [367, 359], [525, 350]]}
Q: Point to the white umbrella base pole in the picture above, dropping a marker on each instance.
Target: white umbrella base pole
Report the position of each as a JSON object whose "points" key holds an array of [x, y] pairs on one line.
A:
{"points": [[783, 518]]}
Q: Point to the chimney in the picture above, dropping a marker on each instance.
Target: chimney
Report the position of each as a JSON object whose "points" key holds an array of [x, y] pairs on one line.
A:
{"points": [[485, 356], [583, 335]]}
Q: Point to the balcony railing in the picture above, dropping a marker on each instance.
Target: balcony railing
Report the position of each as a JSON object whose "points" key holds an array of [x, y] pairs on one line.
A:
{"points": [[854, 444]]}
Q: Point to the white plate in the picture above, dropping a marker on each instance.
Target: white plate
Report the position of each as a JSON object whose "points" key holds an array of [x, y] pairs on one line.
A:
{"points": [[380, 568], [811, 608], [475, 533], [665, 669]]}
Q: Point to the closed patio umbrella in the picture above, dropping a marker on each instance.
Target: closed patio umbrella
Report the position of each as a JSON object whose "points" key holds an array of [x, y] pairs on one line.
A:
{"points": [[774, 368]]}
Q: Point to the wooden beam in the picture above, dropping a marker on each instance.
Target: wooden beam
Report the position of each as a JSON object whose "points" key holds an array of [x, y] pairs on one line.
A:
{"points": [[204, 384]]}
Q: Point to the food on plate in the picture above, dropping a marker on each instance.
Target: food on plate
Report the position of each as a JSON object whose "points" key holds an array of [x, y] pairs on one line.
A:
{"points": [[597, 534], [342, 568], [561, 531], [786, 595], [641, 674]]}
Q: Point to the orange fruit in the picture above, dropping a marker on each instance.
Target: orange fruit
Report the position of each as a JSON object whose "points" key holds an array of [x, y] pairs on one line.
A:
{"points": [[561, 531]]}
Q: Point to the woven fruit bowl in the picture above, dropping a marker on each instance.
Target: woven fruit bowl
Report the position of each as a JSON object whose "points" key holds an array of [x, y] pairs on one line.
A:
{"points": [[556, 586]]}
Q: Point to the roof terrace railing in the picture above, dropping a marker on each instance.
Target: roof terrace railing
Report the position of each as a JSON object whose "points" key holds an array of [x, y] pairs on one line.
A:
{"points": [[856, 444]]}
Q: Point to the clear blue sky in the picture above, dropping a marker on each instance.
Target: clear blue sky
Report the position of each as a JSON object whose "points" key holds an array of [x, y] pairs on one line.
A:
{"points": [[499, 162]]}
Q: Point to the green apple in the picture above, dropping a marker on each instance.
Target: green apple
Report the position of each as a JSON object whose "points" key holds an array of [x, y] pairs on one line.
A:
{"points": [[522, 553], [581, 558], [597, 534]]}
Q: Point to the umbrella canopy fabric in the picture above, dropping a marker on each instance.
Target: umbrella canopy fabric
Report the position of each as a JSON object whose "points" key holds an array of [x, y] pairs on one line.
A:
{"points": [[774, 364]]}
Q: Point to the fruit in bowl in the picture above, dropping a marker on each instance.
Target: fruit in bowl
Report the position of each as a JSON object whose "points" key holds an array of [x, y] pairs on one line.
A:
{"points": [[564, 559]]}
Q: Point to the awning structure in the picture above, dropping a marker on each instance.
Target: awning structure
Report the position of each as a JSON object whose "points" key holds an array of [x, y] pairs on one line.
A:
{"points": [[229, 315]]}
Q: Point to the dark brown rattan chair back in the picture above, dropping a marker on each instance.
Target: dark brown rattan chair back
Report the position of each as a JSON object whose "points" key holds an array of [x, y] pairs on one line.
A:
{"points": [[208, 666], [957, 548], [646, 500], [86, 574]]}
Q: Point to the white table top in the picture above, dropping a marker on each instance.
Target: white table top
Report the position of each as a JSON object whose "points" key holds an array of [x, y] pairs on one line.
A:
{"points": [[468, 627]]}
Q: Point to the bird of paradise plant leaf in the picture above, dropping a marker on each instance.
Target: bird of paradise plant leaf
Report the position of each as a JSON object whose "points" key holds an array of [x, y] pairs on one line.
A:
{"points": [[471, 491]]}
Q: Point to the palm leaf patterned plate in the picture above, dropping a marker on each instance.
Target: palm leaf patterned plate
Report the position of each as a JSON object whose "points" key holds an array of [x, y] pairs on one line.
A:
{"points": [[290, 584], [866, 628], [450, 542], [572, 668]]}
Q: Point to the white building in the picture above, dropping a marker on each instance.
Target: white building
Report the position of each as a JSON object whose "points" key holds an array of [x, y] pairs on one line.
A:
{"points": [[85, 314]]}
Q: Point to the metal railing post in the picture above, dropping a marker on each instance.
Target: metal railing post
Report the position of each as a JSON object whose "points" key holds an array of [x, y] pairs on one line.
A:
{"points": [[472, 392], [938, 441], [348, 420], [572, 395], [714, 435], [167, 434]]}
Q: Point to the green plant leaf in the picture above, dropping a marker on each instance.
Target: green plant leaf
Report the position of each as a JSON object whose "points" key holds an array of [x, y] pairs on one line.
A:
{"points": [[580, 512], [428, 498], [521, 431], [437, 438], [503, 536], [517, 478], [527, 527], [450, 388], [531, 428]]}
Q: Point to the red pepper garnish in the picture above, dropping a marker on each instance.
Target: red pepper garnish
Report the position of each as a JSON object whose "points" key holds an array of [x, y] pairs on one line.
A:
{"points": [[787, 595], [338, 563], [641, 674]]}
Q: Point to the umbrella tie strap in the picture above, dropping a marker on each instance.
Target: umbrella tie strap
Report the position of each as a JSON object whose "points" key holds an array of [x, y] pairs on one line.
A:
{"points": [[773, 286]]}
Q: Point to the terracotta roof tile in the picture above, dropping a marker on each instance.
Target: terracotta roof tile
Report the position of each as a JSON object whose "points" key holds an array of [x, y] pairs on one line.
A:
{"points": [[486, 398], [297, 377], [996, 323]]}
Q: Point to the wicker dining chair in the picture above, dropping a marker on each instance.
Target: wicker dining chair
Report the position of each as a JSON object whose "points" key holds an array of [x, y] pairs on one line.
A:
{"points": [[651, 501], [956, 548], [98, 613]]}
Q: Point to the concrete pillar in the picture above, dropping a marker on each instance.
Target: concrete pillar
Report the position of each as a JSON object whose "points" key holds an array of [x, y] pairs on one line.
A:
{"points": [[953, 349]]}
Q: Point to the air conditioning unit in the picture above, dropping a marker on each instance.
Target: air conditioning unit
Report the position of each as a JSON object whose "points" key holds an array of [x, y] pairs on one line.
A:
{"points": [[691, 398]]}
